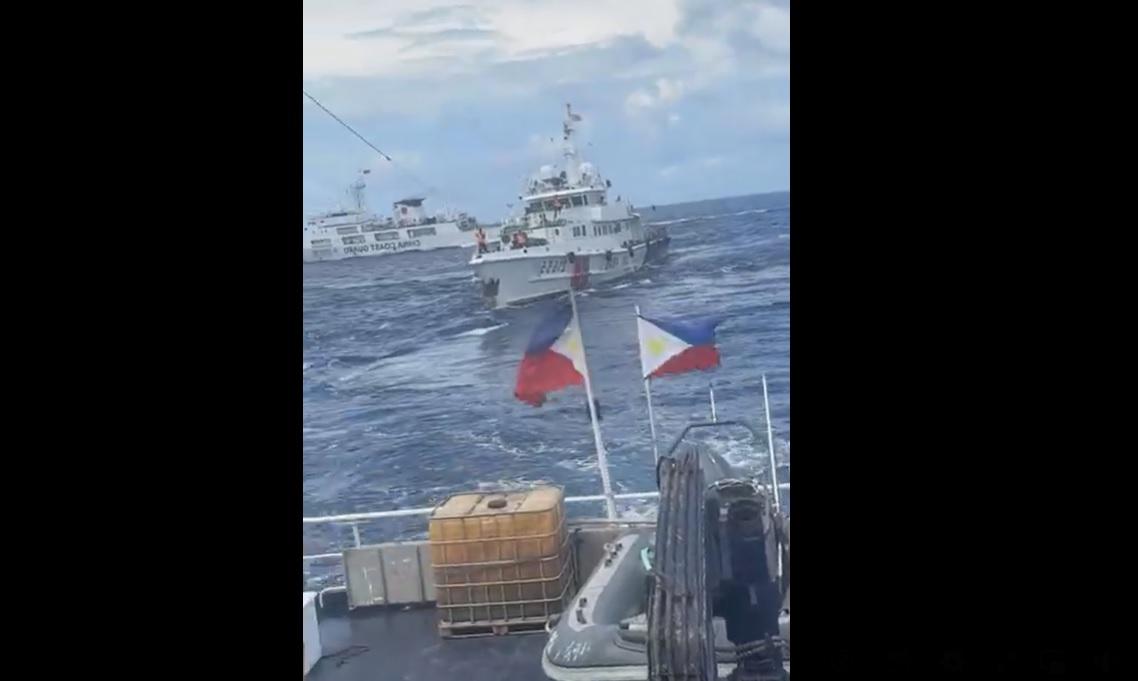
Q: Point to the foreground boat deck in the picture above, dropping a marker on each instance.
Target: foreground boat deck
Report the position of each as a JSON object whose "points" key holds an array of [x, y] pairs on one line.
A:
{"points": [[377, 644]]}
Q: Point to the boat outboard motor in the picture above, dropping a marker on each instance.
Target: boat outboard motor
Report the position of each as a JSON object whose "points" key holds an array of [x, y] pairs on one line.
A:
{"points": [[717, 553]]}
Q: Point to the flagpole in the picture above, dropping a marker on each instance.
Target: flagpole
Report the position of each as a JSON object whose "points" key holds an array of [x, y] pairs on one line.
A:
{"points": [[602, 459], [711, 393], [774, 470], [648, 394], [770, 445]]}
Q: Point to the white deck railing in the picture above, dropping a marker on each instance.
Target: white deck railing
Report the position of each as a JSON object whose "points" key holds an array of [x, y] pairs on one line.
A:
{"points": [[354, 519]]}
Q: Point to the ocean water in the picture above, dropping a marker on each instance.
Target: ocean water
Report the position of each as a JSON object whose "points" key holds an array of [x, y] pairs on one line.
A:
{"points": [[408, 379]]}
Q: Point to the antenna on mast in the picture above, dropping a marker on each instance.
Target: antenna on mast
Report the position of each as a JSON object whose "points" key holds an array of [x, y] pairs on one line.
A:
{"points": [[572, 166]]}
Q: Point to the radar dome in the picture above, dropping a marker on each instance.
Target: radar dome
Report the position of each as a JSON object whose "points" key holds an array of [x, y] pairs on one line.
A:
{"points": [[547, 172], [588, 169]]}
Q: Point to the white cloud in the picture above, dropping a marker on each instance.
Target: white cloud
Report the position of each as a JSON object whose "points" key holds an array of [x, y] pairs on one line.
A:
{"points": [[639, 100], [351, 38], [669, 90], [771, 25], [695, 165], [664, 92], [418, 56], [670, 83]]}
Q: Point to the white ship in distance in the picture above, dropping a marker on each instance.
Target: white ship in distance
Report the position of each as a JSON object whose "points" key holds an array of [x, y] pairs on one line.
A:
{"points": [[566, 232], [354, 232]]}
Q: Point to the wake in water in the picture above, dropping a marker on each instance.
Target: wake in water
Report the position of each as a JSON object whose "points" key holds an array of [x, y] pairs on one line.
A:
{"points": [[482, 331], [706, 218]]}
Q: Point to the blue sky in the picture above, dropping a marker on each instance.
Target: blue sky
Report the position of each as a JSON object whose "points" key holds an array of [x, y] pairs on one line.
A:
{"points": [[681, 99]]}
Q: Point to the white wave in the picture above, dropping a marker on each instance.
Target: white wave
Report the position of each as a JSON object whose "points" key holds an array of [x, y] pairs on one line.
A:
{"points": [[751, 459], [645, 510], [358, 284], [713, 216], [509, 485], [481, 332], [307, 366], [620, 286], [578, 465], [676, 221]]}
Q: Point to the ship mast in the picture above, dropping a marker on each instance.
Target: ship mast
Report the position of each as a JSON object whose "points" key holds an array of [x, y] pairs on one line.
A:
{"points": [[357, 191], [572, 163]]}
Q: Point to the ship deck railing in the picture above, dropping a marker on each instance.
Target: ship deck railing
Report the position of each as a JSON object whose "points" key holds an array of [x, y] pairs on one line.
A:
{"points": [[355, 519]]}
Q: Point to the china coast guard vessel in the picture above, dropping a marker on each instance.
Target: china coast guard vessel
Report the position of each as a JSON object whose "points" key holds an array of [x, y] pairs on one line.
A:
{"points": [[567, 232], [340, 234]]}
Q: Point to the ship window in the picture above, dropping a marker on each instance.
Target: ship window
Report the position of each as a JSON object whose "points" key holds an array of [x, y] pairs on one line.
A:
{"points": [[424, 231], [357, 239], [585, 200], [317, 243], [386, 236], [616, 229], [346, 230], [371, 227]]}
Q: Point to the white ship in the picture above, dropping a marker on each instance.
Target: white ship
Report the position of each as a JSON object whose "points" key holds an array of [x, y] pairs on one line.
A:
{"points": [[573, 235], [355, 233]]}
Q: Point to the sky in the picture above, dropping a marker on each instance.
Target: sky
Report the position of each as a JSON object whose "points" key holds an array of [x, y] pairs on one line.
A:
{"points": [[680, 99]]}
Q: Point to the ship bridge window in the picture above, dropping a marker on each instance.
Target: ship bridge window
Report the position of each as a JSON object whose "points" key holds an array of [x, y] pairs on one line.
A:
{"points": [[386, 236], [371, 227], [424, 231], [357, 239], [346, 230], [578, 200]]}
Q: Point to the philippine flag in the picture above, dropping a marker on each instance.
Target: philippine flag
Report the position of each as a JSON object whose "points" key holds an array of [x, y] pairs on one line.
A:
{"points": [[553, 359], [675, 347]]}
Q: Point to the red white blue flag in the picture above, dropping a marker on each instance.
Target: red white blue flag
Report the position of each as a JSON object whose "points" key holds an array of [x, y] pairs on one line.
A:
{"points": [[676, 346], [553, 358]]}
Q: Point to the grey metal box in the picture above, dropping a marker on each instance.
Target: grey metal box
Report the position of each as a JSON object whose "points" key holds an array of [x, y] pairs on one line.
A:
{"points": [[388, 574]]}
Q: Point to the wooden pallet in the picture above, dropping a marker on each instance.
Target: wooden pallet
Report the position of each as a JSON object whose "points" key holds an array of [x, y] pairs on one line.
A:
{"points": [[491, 628]]}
